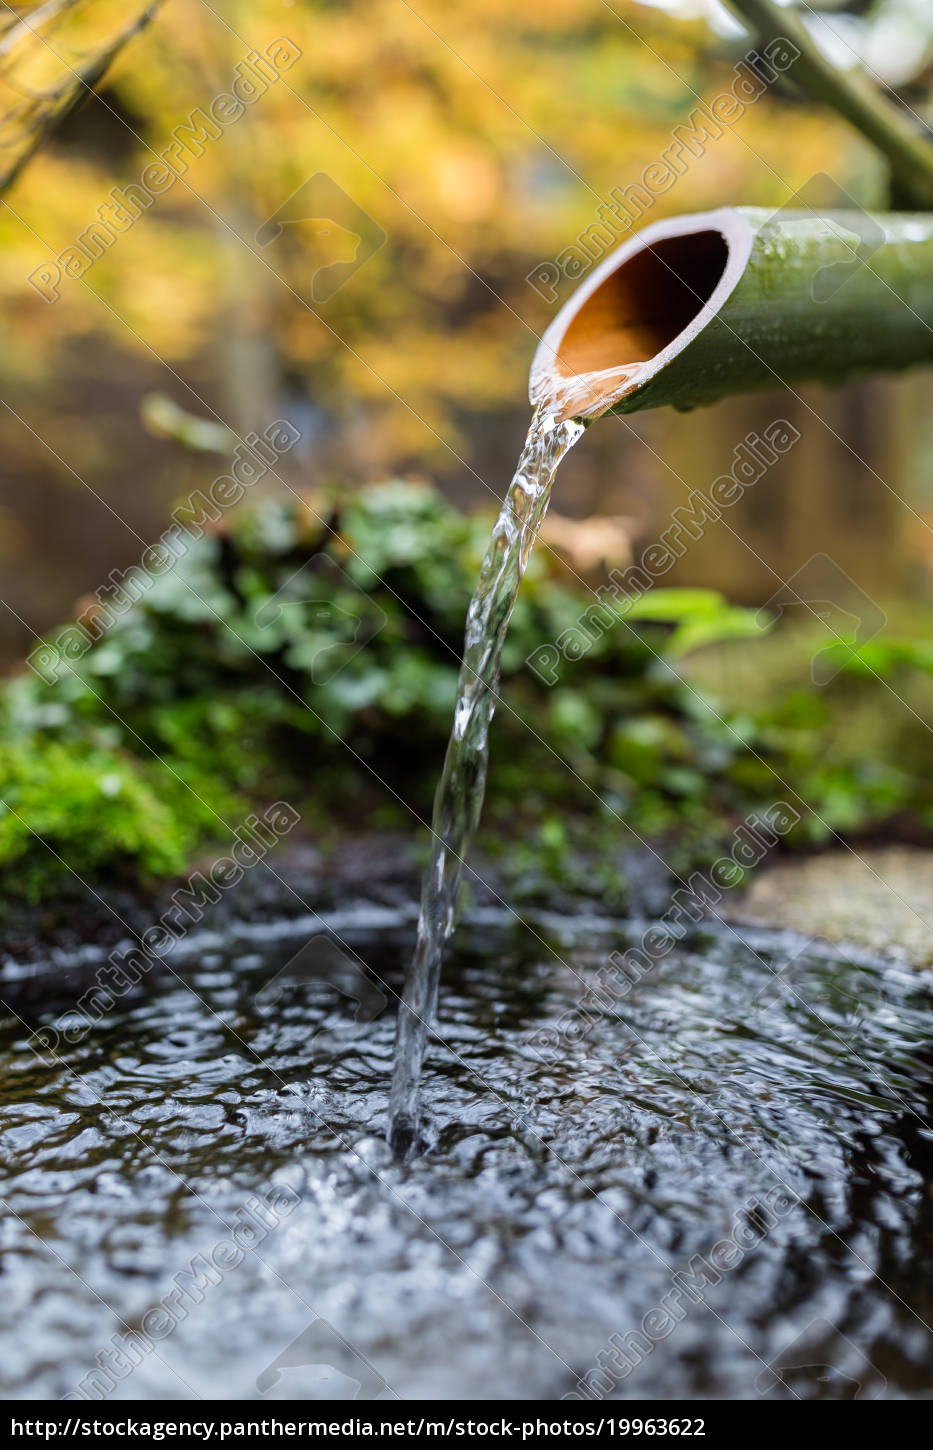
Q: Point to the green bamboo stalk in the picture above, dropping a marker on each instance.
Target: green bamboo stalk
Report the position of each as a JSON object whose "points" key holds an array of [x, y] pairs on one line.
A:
{"points": [[808, 308], [908, 151], [801, 298]]}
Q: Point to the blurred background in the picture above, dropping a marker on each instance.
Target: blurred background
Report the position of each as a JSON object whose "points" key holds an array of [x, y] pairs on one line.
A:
{"points": [[480, 140]]}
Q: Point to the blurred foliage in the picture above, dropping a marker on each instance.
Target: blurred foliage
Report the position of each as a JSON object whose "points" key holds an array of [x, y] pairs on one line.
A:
{"points": [[480, 139], [317, 661]]}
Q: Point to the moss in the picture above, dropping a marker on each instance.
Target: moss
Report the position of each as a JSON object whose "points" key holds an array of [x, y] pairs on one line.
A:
{"points": [[87, 810]]}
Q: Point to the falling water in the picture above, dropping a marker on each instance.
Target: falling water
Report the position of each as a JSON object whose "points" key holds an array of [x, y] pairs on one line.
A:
{"points": [[459, 797]]}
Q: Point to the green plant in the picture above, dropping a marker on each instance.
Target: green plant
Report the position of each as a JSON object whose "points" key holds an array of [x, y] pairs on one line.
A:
{"points": [[236, 679]]}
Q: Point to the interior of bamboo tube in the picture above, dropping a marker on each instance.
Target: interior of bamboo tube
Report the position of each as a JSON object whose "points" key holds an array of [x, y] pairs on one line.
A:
{"points": [[642, 307]]}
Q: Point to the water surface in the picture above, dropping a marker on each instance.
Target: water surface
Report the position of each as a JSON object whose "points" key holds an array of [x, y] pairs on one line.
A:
{"points": [[577, 1159]]}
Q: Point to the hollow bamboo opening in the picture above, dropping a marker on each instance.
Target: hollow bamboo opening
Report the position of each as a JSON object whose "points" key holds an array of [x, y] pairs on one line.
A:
{"points": [[642, 304], [645, 305]]}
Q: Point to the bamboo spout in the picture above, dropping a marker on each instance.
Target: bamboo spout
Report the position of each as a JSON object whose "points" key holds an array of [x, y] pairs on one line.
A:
{"points": [[695, 308]]}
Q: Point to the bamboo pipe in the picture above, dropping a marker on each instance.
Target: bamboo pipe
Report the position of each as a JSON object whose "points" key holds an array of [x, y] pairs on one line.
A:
{"points": [[695, 308]]}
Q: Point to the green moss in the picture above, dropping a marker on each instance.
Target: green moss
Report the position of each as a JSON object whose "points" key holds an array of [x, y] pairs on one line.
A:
{"points": [[84, 810]]}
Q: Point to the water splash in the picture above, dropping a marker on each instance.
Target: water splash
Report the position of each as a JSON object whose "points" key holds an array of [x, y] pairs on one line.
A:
{"points": [[585, 395], [459, 797]]}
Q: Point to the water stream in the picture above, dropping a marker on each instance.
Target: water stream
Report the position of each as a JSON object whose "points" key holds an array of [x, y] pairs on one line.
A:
{"points": [[459, 797]]}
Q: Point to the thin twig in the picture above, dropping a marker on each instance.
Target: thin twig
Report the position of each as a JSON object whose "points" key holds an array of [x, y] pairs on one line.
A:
{"points": [[20, 29], [36, 121]]}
